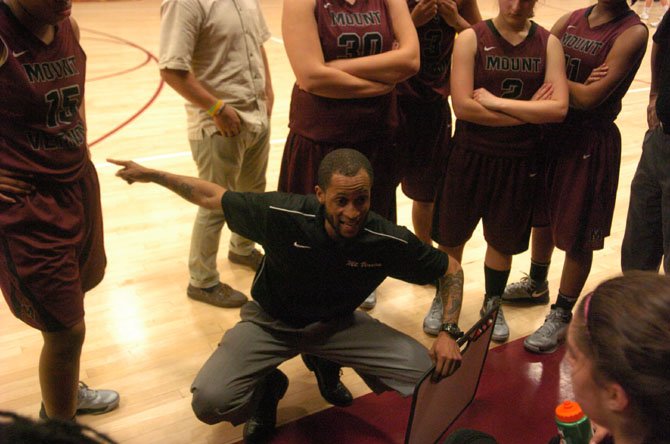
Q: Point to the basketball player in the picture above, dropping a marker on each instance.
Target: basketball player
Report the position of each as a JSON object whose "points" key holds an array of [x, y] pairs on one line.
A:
{"points": [[507, 77], [51, 239], [604, 45], [426, 115]]}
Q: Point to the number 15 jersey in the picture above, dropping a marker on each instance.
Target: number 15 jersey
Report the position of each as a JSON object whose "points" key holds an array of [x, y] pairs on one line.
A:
{"points": [[41, 90]]}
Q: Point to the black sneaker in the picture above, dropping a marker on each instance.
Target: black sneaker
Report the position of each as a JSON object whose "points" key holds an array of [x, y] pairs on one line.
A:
{"points": [[328, 377], [260, 426]]}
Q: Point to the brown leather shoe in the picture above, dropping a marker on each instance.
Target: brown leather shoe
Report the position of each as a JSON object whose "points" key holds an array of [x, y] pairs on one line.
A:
{"points": [[252, 260], [220, 295]]}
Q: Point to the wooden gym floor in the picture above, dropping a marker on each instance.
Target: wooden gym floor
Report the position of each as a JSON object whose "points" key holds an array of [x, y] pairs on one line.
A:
{"points": [[145, 338]]}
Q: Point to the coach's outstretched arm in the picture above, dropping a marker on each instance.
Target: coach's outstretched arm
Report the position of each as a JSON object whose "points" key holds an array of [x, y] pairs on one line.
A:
{"points": [[200, 192]]}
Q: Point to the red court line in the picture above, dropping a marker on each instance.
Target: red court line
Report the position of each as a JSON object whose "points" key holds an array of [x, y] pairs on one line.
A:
{"points": [[150, 57]]}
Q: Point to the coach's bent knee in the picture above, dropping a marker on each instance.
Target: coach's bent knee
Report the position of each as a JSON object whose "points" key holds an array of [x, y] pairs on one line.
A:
{"points": [[213, 408]]}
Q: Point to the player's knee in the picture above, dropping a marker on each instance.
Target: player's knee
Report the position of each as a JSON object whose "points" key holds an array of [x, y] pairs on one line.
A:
{"points": [[66, 344]]}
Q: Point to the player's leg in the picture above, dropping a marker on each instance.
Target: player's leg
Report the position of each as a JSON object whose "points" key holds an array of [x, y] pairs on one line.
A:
{"points": [[422, 217], [59, 370], [534, 288]]}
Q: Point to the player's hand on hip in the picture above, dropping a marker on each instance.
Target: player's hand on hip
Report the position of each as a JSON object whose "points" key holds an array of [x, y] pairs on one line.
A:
{"points": [[132, 172], [445, 353], [10, 184], [228, 122]]}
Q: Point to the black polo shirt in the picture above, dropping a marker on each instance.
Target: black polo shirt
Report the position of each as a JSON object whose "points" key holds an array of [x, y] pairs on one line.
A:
{"points": [[307, 276]]}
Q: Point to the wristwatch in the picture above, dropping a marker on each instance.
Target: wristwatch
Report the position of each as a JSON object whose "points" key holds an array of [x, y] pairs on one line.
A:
{"points": [[452, 330]]}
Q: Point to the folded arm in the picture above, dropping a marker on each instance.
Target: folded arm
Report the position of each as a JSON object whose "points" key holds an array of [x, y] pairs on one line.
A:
{"points": [[391, 66], [313, 75], [549, 109], [462, 86]]}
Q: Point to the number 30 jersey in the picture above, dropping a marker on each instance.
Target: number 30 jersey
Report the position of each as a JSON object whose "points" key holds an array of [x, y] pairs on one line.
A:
{"points": [[347, 31], [41, 90]]}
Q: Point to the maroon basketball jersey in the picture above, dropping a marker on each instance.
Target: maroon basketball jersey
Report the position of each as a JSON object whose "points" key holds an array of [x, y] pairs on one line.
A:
{"points": [[41, 131], [509, 71], [347, 31], [585, 49], [436, 39]]}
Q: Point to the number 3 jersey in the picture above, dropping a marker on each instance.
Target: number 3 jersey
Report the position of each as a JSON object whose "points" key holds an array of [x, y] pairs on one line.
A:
{"points": [[586, 48], [41, 89], [347, 31], [508, 71]]}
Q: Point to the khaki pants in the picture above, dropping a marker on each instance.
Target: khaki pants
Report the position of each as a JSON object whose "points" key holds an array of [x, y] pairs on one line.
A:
{"points": [[239, 164]]}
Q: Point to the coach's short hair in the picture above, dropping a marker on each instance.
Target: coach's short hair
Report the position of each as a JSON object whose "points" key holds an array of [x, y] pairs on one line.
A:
{"points": [[344, 161]]}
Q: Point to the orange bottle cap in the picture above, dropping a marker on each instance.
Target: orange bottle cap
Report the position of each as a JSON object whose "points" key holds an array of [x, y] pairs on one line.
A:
{"points": [[569, 411]]}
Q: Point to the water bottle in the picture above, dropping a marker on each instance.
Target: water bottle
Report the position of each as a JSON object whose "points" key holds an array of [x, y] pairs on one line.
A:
{"points": [[574, 426]]}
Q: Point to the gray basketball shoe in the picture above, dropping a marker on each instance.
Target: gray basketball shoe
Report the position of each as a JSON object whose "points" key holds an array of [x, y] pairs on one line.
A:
{"points": [[433, 320], [500, 329], [547, 338], [526, 291]]}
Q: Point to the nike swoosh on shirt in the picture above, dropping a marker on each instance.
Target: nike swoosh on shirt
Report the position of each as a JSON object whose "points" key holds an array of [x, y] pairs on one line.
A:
{"points": [[571, 26], [488, 48], [297, 245], [19, 54], [586, 156]]}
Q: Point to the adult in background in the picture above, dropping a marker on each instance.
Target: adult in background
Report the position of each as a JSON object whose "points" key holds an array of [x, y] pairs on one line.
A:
{"points": [[604, 45], [211, 53], [647, 238], [324, 254], [507, 78], [426, 115], [51, 238], [618, 350], [347, 57]]}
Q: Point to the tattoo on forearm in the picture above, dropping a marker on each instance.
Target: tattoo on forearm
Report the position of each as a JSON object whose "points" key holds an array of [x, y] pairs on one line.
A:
{"points": [[183, 189], [450, 290]]}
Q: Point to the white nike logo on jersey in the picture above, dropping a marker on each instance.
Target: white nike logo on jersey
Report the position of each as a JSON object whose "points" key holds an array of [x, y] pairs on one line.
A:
{"points": [[327, 5], [532, 175], [488, 48], [297, 245], [19, 54], [571, 26], [586, 156]]}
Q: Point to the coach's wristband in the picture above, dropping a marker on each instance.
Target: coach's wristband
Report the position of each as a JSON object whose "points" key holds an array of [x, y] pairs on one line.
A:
{"points": [[216, 108]]}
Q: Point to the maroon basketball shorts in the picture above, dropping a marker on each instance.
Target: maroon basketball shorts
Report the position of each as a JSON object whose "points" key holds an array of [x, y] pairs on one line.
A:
{"points": [[583, 176], [302, 156], [425, 144], [52, 251], [498, 190]]}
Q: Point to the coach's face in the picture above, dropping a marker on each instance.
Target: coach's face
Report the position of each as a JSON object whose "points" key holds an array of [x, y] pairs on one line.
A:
{"points": [[347, 203]]}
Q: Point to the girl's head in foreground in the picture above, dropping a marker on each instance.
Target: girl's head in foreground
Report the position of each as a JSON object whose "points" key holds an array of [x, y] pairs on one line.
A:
{"points": [[619, 350]]}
